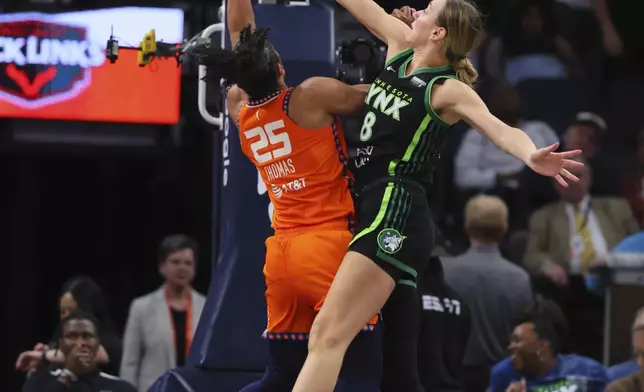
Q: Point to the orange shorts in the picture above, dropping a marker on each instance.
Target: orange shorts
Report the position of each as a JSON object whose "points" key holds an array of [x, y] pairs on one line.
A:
{"points": [[300, 267]]}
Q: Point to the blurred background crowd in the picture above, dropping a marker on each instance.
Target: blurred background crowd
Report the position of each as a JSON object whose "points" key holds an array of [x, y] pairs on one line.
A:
{"points": [[82, 224]]}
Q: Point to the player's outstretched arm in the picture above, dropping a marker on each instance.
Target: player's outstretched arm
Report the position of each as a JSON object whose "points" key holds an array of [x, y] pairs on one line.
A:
{"points": [[333, 96], [460, 102], [388, 28], [239, 14]]}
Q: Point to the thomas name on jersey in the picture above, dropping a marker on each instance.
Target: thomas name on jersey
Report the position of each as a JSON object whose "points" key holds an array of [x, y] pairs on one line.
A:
{"points": [[279, 169], [388, 99]]}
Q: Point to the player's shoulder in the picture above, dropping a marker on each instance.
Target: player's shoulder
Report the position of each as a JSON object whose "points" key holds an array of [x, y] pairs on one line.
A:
{"points": [[319, 86]]}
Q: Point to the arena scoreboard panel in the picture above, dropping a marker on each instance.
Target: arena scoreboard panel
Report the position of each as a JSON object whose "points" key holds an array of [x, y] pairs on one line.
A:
{"points": [[53, 66]]}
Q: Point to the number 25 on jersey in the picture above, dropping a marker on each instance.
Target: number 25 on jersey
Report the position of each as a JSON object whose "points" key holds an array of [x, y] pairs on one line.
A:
{"points": [[267, 137]]}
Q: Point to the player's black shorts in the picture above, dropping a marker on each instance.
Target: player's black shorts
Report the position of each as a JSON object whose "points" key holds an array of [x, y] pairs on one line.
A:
{"points": [[395, 227]]}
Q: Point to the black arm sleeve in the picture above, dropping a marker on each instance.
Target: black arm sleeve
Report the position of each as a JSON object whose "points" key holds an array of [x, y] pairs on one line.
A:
{"points": [[43, 381]]}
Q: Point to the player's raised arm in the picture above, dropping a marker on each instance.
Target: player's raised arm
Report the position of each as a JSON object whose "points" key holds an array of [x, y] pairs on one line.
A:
{"points": [[388, 28], [332, 95], [239, 14], [456, 99]]}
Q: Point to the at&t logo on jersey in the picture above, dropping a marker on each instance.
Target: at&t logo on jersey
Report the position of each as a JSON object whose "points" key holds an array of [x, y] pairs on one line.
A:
{"points": [[291, 186], [42, 62]]}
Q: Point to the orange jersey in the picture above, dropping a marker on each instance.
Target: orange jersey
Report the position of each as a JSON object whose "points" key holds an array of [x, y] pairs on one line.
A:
{"points": [[304, 170]]}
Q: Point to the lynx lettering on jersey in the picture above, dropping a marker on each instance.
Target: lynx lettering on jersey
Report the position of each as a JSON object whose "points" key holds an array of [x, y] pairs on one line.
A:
{"points": [[389, 100], [44, 62]]}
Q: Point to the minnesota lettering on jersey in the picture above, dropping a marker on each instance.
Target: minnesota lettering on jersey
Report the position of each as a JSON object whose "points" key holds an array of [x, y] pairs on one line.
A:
{"points": [[386, 98]]}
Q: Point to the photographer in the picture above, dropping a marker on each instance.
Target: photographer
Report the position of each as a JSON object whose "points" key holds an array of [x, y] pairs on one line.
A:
{"points": [[79, 341]]}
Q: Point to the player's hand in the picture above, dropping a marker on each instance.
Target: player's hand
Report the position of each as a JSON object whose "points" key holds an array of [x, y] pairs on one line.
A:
{"points": [[517, 386], [547, 162], [406, 14]]}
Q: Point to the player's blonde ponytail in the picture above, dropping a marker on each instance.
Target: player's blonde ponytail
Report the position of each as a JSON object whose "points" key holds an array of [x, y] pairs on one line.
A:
{"points": [[465, 71], [464, 26]]}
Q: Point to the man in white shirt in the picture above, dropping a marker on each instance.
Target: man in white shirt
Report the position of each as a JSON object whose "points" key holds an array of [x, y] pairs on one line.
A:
{"points": [[480, 167]]}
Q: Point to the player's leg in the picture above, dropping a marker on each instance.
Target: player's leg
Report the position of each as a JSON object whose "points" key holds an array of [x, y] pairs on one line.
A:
{"points": [[323, 252], [285, 360], [362, 365], [359, 291], [363, 284], [287, 343]]}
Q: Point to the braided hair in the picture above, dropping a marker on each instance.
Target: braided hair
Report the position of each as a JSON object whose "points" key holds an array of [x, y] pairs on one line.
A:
{"points": [[252, 64]]}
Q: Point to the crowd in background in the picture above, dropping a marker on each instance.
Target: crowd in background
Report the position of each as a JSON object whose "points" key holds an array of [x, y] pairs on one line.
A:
{"points": [[157, 335], [563, 71]]}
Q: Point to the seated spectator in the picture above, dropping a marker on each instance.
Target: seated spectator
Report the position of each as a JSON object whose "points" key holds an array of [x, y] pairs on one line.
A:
{"points": [[479, 166], [444, 331], [80, 293], [492, 288], [161, 325], [632, 189], [79, 342], [567, 240], [629, 368], [535, 362], [530, 48]]}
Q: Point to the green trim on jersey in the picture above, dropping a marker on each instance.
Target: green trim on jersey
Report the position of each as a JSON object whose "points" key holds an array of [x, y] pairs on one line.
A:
{"points": [[412, 146], [402, 71], [407, 282], [428, 101], [394, 209], [399, 55]]}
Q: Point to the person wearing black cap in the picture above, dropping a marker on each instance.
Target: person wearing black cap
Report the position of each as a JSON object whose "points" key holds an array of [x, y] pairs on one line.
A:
{"points": [[585, 133]]}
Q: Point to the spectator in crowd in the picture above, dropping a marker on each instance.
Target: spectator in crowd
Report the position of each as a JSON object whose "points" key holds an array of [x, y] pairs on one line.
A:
{"points": [[161, 325], [632, 189], [530, 47], [584, 133], [629, 368], [479, 166], [535, 362], [567, 240], [588, 26], [80, 293], [79, 341], [492, 287], [444, 331]]}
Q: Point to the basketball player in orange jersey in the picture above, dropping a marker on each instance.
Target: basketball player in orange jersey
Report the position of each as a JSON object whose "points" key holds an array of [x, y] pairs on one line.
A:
{"points": [[294, 140]]}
